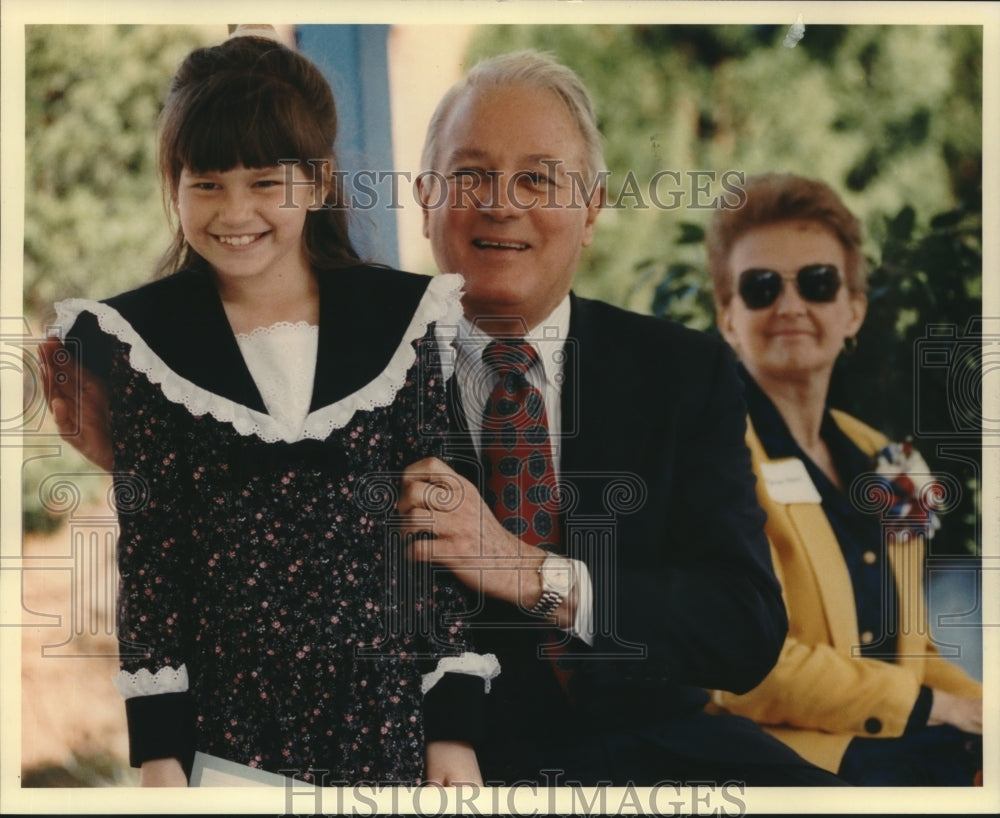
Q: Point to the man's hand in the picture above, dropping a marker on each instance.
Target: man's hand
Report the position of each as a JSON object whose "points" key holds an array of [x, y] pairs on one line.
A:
{"points": [[961, 712], [467, 538], [72, 392], [452, 762]]}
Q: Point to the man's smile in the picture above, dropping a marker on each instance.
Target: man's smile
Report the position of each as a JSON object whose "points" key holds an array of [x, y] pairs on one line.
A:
{"points": [[495, 244]]}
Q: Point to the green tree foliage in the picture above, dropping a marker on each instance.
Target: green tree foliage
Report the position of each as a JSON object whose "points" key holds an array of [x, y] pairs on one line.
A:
{"points": [[94, 220], [920, 353], [891, 116]]}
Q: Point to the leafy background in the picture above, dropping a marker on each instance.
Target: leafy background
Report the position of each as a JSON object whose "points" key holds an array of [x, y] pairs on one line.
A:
{"points": [[891, 116]]}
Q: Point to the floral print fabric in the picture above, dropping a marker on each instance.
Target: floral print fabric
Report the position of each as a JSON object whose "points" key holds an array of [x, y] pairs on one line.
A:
{"points": [[272, 572]]}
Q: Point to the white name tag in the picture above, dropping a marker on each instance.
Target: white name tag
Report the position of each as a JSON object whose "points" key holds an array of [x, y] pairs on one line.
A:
{"points": [[787, 481]]}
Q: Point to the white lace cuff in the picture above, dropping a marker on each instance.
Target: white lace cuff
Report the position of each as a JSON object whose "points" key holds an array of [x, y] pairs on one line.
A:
{"points": [[483, 665], [144, 683], [441, 302]]}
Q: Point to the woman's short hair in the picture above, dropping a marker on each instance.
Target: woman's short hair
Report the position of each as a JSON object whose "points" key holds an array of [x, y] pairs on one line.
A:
{"points": [[531, 68], [780, 197]]}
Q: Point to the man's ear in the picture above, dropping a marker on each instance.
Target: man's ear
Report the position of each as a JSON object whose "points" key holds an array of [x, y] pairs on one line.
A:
{"points": [[594, 206], [429, 189]]}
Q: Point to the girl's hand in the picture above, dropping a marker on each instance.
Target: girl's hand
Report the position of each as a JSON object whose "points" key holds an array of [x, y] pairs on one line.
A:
{"points": [[450, 763], [162, 772]]}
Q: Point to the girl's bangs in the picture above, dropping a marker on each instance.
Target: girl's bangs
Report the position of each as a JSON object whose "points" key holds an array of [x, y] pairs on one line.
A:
{"points": [[255, 128]]}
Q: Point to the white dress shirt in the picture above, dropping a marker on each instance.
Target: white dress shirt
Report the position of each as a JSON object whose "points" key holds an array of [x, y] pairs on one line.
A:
{"points": [[475, 382]]}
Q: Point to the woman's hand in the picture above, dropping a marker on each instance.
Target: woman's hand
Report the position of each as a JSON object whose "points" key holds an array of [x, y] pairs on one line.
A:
{"points": [[162, 772], [450, 763], [961, 712]]}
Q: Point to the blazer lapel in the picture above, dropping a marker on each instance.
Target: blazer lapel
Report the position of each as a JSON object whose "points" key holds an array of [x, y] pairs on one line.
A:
{"points": [[831, 573], [823, 552], [907, 561]]}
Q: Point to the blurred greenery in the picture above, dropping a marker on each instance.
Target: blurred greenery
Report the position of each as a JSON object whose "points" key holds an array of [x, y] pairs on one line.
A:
{"points": [[890, 116], [94, 221]]}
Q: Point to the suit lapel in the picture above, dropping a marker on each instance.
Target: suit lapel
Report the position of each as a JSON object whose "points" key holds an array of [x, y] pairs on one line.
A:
{"points": [[594, 435], [461, 450]]}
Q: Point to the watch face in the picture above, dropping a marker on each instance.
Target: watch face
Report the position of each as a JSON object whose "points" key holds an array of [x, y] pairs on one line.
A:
{"points": [[557, 575]]}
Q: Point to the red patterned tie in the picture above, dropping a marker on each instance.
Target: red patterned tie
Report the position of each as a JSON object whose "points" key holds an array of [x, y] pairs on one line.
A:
{"points": [[516, 450], [517, 457]]}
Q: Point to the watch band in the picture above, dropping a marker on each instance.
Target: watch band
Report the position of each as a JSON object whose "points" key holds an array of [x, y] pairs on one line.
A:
{"points": [[547, 604], [554, 590]]}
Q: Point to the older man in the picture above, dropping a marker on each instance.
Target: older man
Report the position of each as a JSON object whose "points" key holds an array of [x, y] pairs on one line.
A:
{"points": [[619, 553], [621, 509]]}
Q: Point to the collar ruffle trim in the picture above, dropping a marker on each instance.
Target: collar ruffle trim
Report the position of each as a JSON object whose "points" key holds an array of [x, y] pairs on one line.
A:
{"points": [[484, 665], [175, 680], [440, 302]]}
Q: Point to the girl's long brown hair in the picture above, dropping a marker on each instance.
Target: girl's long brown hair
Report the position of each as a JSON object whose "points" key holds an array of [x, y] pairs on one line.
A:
{"points": [[253, 102]]}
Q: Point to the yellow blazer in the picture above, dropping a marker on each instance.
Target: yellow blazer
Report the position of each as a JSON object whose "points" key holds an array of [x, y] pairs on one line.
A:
{"points": [[818, 696]]}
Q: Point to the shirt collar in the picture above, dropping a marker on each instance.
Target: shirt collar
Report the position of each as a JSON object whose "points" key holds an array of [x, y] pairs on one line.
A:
{"points": [[548, 338]]}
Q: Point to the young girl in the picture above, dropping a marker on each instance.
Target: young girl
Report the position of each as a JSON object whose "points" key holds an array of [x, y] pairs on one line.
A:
{"points": [[266, 612]]}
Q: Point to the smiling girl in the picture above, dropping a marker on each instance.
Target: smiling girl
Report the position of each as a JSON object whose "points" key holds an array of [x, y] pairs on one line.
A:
{"points": [[255, 388]]}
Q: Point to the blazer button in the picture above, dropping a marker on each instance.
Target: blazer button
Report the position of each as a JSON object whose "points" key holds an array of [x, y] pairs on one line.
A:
{"points": [[867, 638], [873, 725], [869, 557]]}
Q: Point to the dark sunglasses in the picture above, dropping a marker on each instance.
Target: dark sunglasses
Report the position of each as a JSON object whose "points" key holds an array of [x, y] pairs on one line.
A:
{"points": [[760, 288]]}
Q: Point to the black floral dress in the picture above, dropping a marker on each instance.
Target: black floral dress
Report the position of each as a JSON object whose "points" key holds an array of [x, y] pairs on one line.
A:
{"points": [[270, 573]]}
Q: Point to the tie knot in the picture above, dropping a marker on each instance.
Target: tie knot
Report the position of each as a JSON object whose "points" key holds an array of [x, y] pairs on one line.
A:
{"points": [[505, 357]]}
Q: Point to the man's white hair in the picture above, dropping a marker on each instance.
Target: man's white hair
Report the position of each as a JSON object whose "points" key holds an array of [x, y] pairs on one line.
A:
{"points": [[531, 68]]}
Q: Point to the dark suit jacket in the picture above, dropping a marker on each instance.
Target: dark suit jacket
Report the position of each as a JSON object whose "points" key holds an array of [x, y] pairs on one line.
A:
{"points": [[662, 508]]}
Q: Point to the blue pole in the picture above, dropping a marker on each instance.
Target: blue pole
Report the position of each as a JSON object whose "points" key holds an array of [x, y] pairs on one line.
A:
{"points": [[355, 61]]}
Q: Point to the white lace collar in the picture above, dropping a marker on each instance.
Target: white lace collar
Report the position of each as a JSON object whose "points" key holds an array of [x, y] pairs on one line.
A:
{"points": [[440, 303]]}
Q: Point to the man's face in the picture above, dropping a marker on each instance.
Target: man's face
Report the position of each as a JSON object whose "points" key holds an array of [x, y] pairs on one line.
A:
{"points": [[509, 208]]}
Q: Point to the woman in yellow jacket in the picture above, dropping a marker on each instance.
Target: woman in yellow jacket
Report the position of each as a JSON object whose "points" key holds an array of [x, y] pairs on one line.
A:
{"points": [[859, 688]]}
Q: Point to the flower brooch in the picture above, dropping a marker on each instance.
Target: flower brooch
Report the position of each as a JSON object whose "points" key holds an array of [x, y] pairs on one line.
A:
{"points": [[907, 487]]}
